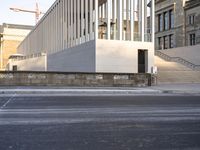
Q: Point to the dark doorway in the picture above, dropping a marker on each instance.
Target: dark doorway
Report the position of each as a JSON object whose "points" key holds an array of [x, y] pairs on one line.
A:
{"points": [[142, 61], [15, 68]]}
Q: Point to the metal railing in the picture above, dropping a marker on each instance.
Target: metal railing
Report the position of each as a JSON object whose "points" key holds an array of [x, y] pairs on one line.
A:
{"points": [[29, 56], [178, 60]]}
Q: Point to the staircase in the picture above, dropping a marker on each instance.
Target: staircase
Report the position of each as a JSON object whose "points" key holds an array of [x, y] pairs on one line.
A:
{"points": [[178, 60], [170, 71]]}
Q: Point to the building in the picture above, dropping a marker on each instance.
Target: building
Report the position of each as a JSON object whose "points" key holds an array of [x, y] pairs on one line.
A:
{"points": [[169, 23], [11, 35], [92, 36], [192, 22], [177, 23]]}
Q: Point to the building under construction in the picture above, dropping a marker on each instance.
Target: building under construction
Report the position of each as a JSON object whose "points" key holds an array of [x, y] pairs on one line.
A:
{"points": [[91, 36]]}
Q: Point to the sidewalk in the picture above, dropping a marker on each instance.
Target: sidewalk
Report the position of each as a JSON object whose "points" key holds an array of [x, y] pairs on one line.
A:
{"points": [[186, 89], [77, 91]]}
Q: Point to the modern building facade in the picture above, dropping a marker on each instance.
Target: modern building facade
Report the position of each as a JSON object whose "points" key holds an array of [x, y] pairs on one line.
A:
{"points": [[177, 23], [11, 35], [93, 36]]}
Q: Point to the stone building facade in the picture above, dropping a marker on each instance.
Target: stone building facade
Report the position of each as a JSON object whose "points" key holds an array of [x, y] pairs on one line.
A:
{"points": [[192, 22], [177, 23], [169, 24], [11, 36]]}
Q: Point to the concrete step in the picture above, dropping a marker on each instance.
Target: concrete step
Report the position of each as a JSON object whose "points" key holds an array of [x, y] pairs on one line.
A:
{"points": [[173, 72], [178, 77], [164, 65]]}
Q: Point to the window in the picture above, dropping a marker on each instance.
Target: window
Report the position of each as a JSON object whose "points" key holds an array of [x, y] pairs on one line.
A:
{"points": [[160, 43], [165, 42], [191, 19], [160, 22], [192, 39], [166, 19], [171, 19], [171, 41]]}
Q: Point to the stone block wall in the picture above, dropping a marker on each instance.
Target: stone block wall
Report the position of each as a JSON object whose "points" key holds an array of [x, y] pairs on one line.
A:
{"points": [[76, 79]]}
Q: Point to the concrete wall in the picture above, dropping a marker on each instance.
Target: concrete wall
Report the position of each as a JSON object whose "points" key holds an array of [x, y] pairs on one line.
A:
{"points": [[121, 56], [109, 56], [76, 59], [30, 64], [75, 79], [190, 53]]}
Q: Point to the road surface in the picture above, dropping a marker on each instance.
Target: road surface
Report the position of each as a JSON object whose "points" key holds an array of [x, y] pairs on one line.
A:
{"points": [[100, 123]]}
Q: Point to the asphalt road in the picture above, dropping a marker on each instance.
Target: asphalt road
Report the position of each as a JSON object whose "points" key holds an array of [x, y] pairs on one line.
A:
{"points": [[100, 123]]}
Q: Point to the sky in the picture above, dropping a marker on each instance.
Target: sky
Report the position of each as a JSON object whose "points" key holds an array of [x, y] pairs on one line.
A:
{"points": [[8, 16]]}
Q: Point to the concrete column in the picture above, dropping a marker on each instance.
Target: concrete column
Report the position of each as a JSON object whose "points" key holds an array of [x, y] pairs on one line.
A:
{"points": [[143, 20], [132, 19], [82, 20], [86, 20], [71, 25], [62, 24], [102, 12], [54, 29], [59, 48], [68, 23], [78, 20], [57, 28], [91, 19], [123, 19], [108, 5], [96, 19], [47, 32], [75, 21], [139, 11], [119, 18], [153, 21], [114, 18], [127, 20]]}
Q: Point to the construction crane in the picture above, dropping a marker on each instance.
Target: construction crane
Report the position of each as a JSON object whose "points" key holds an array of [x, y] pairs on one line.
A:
{"points": [[37, 11]]}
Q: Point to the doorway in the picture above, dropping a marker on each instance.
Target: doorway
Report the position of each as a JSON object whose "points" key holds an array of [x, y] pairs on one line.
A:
{"points": [[142, 61], [14, 68]]}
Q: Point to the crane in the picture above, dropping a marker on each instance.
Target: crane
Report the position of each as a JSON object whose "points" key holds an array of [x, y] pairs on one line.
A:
{"points": [[37, 11]]}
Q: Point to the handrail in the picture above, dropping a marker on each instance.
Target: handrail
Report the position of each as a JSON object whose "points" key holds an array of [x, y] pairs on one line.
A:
{"points": [[177, 59], [29, 56]]}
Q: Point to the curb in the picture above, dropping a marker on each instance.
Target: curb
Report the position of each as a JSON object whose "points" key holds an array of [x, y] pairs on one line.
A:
{"points": [[96, 92], [79, 92]]}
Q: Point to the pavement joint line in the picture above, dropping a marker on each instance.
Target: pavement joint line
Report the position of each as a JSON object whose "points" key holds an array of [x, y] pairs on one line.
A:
{"points": [[8, 101], [102, 95]]}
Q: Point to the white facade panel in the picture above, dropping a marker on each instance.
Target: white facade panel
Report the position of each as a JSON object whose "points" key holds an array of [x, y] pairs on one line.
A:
{"points": [[80, 58], [121, 56], [31, 64]]}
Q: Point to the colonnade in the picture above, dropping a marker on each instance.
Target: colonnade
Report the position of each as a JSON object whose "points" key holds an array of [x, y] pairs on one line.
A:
{"points": [[69, 23]]}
